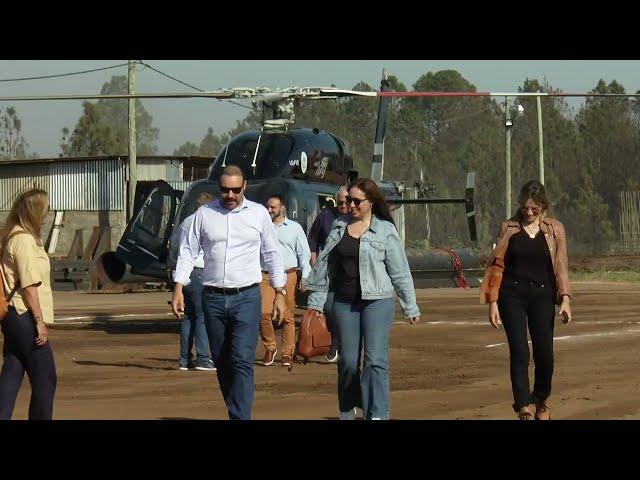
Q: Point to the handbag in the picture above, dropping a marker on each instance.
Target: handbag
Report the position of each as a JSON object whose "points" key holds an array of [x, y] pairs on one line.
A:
{"points": [[314, 338]]}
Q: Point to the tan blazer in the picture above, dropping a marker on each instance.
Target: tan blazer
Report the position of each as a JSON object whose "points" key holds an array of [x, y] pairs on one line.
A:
{"points": [[556, 238]]}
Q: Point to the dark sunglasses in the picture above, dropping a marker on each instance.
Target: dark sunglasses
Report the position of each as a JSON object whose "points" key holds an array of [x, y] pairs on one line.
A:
{"points": [[534, 210], [235, 190], [341, 203], [355, 201]]}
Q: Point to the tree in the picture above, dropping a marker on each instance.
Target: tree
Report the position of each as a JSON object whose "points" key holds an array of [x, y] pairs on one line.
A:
{"points": [[90, 137], [209, 146], [12, 143], [106, 123], [115, 113], [187, 149], [610, 144], [597, 234]]}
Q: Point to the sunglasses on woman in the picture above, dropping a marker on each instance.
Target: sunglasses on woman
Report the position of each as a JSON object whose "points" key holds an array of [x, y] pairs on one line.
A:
{"points": [[355, 201], [235, 190], [534, 210]]}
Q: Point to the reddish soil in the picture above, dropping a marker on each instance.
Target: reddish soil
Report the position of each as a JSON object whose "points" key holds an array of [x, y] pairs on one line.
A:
{"points": [[441, 368]]}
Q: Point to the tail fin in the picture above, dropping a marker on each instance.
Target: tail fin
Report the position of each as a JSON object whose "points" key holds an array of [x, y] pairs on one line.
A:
{"points": [[377, 164]]}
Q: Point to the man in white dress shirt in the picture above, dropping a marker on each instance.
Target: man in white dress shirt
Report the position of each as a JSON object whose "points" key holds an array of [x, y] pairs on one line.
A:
{"points": [[233, 233]]}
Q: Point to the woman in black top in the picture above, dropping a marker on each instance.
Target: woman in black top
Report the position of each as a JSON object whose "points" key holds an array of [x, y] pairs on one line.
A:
{"points": [[529, 272]]}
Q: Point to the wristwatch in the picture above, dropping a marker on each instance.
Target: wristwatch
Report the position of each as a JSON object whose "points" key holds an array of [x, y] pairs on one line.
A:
{"points": [[281, 291]]}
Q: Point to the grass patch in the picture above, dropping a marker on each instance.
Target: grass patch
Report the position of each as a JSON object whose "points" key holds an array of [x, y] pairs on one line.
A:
{"points": [[606, 276]]}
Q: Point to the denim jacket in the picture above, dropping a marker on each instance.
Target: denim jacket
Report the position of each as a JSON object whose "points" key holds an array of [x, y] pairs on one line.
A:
{"points": [[383, 266]]}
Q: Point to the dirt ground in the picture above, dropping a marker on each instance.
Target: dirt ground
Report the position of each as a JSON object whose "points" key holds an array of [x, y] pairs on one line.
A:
{"points": [[452, 365]]}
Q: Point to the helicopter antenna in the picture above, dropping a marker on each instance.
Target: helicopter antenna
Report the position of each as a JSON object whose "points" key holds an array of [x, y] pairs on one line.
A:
{"points": [[255, 155], [224, 160]]}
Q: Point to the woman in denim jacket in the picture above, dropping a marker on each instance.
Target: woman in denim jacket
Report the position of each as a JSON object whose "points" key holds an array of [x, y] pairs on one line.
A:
{"points": [[363, 263]]}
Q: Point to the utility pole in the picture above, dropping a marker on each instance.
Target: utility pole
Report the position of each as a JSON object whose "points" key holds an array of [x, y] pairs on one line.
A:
{"points": [[540, 146], [507, 125], [133, 173]]}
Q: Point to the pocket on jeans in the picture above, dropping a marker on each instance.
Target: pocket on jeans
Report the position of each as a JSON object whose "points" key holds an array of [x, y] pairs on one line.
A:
{"points": [[508, 287]]}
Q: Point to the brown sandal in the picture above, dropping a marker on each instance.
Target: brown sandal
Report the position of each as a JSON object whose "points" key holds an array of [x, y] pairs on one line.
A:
{"points": [[525, 413], [542, 411]]}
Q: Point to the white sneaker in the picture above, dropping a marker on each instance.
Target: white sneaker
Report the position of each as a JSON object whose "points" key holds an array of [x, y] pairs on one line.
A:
{"points": [[349, 415], [332, 357]]}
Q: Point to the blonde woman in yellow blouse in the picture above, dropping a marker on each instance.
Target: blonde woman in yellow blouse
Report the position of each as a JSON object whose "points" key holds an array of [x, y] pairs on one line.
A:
{"points": [[26, 274]]}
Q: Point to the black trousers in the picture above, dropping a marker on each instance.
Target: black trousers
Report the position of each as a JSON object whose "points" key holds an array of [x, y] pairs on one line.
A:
{"points": [[21, 354], [522, 303]]}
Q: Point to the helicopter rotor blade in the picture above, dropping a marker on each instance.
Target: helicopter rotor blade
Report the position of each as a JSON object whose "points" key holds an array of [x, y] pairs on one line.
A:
{"points": [[215, 94]]}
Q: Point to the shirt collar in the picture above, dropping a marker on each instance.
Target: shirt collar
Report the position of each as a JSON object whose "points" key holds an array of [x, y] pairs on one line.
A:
{"points": [[285, 223], [218, 206], [375, 222]]}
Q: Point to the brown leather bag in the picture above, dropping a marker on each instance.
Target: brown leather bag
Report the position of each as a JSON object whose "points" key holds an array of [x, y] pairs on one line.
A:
{"points": [[314, 338]]}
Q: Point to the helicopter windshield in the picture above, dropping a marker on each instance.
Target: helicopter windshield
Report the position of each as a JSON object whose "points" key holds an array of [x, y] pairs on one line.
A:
{"points": [[273, 155]]}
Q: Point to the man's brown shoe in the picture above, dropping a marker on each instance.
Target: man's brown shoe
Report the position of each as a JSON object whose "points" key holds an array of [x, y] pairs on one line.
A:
{"points": [[287, 361], [269, 357]]}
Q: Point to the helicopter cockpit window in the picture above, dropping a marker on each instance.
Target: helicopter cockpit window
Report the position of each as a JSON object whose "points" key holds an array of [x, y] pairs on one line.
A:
{"points": [[273, 155], [152, 221]]}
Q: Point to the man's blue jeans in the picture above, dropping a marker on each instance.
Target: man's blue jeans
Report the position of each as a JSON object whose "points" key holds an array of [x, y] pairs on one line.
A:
{"points": [[368, 322], [233, 323], [193, 323]]}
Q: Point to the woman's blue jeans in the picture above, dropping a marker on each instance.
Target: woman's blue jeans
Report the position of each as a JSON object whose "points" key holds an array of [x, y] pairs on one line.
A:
{"points": [[367, 324]]}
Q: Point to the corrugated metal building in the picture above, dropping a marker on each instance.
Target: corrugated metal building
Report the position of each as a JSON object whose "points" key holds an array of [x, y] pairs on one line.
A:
{"points": [[92, 191]]}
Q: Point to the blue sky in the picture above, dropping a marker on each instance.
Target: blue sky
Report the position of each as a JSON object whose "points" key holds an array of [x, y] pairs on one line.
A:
{"points": [[187, 120]]}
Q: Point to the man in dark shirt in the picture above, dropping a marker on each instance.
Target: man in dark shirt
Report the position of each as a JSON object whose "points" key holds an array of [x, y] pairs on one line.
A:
{"points": [[317, 236], [322, 225]]}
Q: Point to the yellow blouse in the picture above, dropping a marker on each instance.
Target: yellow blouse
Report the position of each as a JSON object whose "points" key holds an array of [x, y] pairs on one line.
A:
{"points": [[28, 261]]}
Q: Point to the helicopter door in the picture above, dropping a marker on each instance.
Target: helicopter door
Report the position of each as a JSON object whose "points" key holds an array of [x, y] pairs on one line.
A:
{"points": [[311, 209], [144, 242]]}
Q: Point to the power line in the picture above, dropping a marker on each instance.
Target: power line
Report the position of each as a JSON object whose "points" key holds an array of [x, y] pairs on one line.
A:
{"points": [[62, 74], [185, 83], [169, 76]]}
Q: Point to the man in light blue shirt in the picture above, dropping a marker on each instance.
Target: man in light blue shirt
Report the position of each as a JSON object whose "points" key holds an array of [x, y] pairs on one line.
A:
{"points": [[192, 327], [233, 233], [296, 254]]}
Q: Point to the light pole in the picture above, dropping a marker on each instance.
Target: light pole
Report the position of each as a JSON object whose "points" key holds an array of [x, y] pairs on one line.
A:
{"points": [[507, 149], [509, 113], [540, 142]]}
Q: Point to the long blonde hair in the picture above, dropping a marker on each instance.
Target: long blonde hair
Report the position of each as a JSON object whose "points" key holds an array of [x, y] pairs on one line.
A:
{"points": [[29, 211]]}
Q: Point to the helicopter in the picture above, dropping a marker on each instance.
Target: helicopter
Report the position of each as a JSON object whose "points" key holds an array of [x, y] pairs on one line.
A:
{"points": [[305, 166]]}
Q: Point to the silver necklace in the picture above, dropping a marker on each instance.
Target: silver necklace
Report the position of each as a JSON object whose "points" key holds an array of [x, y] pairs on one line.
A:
{"points": [[532, 231]]}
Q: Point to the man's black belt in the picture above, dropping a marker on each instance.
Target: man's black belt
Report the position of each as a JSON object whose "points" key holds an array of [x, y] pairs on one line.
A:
{"points": [[229, 291]]}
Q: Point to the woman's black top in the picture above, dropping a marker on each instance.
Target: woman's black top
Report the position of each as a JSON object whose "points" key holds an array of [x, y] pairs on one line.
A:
{"points": [[347, 280], [529, 258]]}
